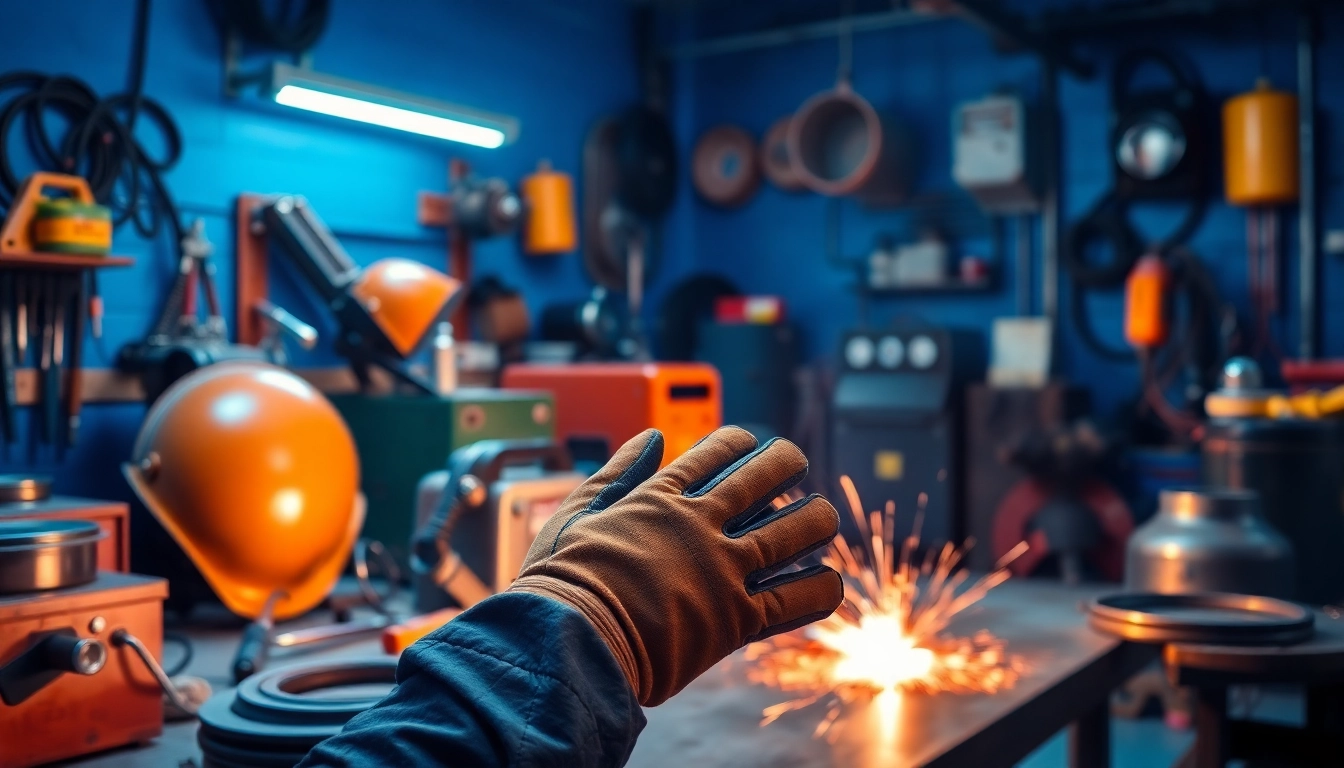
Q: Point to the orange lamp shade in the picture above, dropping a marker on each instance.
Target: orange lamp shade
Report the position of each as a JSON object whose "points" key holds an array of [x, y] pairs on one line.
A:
{"points": [[1145, 302], [255, 475], [405, 299]]}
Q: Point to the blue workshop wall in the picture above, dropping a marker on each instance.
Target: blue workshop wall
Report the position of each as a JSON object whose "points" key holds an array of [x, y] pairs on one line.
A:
{"points": [[776, 243], [556, 66]]}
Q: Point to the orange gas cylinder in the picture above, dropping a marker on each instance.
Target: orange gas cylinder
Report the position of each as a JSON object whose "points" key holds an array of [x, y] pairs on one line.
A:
{"points": [[549, 198], [1145, 302], [1260, 147]]}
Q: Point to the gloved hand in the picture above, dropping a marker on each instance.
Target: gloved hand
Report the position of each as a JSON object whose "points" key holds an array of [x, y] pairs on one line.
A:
{"points": [[678, 569]]}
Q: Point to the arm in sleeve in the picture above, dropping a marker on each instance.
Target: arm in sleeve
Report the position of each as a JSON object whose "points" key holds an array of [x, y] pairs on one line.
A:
{"points": [[518, 680]]}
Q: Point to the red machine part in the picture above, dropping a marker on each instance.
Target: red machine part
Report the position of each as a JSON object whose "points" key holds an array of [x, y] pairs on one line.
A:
{"points": [[1012, 521]]}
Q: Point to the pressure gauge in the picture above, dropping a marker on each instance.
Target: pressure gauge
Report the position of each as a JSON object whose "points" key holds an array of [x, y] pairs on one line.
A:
{"points": [[859, 352], [923, 352], [890, 352], [1152, 146]]}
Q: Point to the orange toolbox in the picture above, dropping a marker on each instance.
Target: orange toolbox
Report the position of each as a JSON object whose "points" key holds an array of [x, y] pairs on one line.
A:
{"points": [[613, 402]]}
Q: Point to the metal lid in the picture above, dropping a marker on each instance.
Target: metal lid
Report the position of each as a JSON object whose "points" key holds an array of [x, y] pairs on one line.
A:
{"points": [[24, 487], [1208, 503], [1212, 617], [28, 534]]}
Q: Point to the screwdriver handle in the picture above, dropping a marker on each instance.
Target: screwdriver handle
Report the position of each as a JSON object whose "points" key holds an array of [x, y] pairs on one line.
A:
{"points": [[252, 651]]}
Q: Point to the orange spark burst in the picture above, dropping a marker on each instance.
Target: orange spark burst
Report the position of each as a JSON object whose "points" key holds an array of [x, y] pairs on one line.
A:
{"points": [[888, 635]]}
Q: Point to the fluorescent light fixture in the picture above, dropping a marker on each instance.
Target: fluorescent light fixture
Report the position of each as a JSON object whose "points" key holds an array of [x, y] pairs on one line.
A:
{"points": [[315, 92]]}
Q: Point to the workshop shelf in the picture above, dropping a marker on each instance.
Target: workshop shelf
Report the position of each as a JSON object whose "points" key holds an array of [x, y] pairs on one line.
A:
{"points": [[61, 261]]}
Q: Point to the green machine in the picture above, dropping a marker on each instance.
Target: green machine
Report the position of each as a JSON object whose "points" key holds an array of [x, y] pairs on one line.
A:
{"points": [[402, 438]]}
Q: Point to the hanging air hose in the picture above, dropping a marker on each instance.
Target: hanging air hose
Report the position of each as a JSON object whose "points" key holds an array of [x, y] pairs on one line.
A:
{"points": [[97, 141]]}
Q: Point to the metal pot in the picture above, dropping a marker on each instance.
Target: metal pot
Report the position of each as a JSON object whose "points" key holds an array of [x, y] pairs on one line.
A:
{"points": [[840, 147], [47, 554], [1209, 540]]}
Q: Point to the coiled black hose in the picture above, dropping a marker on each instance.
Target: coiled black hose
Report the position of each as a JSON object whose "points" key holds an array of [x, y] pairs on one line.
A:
{"points": [[95, 140]]}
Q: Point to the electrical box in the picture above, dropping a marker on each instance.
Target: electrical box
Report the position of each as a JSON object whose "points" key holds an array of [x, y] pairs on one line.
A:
{"points": [[994, 157], [895, 424]]}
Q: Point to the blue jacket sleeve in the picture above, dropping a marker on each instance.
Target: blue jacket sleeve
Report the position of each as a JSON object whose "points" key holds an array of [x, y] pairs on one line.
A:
{"points": [[517, 680]]}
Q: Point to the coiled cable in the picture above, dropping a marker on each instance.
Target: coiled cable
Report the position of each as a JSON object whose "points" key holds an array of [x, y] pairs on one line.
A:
{"points": [[95, 139]]}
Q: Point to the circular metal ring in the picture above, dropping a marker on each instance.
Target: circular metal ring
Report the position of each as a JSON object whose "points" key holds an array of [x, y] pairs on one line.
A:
{"points": [[269, 721], [1214, 618]]}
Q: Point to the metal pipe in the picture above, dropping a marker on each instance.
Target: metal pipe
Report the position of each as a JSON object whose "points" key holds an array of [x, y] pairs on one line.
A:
{"points": [[1050, 203], [817, 30], [1307, 223]]}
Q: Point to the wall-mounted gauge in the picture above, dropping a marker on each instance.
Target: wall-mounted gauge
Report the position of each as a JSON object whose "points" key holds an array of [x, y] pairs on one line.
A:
{"points": [[890, 352], [859, 352], [923, 352]]}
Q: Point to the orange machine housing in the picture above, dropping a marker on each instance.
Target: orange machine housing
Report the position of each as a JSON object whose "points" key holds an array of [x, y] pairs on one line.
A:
{"points": [[74, 715], [616, 401]]}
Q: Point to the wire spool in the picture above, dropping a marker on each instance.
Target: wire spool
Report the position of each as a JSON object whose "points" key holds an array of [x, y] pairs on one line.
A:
{"points": [[777, 161], [548, 198], [271, 720], [844, 148], [724, 166], [65, 225], [1260, 160]]}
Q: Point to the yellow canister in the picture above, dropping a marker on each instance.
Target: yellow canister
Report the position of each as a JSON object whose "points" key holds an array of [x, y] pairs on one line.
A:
{"points": [[1260, 160], [549, 198]]}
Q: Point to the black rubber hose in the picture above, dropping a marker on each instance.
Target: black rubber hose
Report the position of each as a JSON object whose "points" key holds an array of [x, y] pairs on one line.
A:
{"points": [[98, 142]]}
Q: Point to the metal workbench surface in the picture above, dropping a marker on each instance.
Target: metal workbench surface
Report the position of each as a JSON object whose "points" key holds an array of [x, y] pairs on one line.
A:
{"points": [[1070, 672]]}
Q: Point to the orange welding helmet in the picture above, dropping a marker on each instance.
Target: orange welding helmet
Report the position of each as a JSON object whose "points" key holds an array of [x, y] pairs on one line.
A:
{"points": [[255, 475], [405, 299]]}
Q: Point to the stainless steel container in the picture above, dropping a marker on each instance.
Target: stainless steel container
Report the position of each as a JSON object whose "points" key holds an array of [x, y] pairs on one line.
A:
{"points": [[1209, 540], [47, 554]]}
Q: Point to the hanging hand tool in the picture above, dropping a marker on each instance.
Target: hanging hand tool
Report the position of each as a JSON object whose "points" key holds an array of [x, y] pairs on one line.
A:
{"points": [[74, 390], [43, 299], [21, 303], [95, 305], [7, 362], [51, 396]]}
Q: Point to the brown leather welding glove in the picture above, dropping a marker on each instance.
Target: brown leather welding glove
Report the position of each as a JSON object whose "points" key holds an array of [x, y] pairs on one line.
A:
{"points": [[678, 569]]}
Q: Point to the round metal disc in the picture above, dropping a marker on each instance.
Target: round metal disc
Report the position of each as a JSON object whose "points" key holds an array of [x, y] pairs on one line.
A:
{"points": [[26, 534], [24, 488], [274, 718], [1217, 618]]}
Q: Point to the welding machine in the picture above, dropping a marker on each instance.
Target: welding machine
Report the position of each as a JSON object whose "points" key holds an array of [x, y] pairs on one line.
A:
{"points": [[599, 406], [895, 423], [400, 438], [476, 519]]}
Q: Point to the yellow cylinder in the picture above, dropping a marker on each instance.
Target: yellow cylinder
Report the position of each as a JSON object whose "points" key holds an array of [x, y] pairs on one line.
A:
{"points": [[549, 197], [1260, 161]]}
